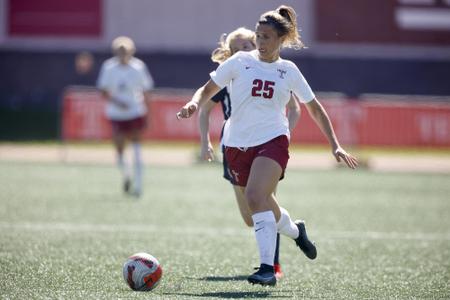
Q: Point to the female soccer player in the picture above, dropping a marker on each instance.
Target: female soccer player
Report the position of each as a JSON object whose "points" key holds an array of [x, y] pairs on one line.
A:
{"points": [[126, 83], [257, 136], [241, 39]]}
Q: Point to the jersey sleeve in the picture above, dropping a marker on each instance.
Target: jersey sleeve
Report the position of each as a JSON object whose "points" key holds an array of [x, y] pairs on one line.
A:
{"points": [[225, 72], [300, 86], [220, 96], [147, 79], [103, 78]]}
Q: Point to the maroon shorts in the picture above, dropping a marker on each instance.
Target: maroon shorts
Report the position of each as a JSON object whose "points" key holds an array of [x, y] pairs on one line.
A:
{"points": [[240, 160], [125, 126]]}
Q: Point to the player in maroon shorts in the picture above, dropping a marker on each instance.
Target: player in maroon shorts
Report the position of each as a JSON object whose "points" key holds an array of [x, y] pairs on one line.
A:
{"points": [[126, 83], [256, 135], [241, 39]]}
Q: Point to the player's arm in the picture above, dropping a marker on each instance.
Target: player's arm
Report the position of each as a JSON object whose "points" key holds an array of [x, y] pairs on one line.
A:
{"points": [[293, 113], [202, 95], [107, 95], [147, 85], [147, 99], [322, 120], [206, 148]]}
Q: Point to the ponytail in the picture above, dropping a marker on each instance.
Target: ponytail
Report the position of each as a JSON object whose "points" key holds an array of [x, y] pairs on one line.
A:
{"points": [[289, 15], [284, 21]]}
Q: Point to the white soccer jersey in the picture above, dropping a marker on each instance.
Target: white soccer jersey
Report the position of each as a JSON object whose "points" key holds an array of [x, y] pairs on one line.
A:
{"points": [[125, 83], [259, 92]]}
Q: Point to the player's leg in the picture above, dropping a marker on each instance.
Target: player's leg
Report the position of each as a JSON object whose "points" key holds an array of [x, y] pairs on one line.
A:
{"points": [[119, 141], [243, 205], [277, 149], [276, 261], [263, 178], [244, 170], [238, 192], [138, 168], [295, 230], [247, 217]]}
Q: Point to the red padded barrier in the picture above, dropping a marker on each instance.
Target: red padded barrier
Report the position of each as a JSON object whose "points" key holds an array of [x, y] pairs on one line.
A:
{"points": [[357, 122]]}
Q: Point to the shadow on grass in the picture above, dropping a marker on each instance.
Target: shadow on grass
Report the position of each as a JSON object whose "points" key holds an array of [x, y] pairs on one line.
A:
{"points": [[231, 295], [270, 293], [224, 278]]}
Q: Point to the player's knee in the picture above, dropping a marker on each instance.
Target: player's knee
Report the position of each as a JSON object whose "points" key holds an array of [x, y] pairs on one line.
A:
{"points": [[254, 198], [248, 221], [120, 148]]}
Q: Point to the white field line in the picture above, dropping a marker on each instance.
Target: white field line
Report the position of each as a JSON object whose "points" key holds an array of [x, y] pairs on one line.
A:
{"points": [[213, 231]]}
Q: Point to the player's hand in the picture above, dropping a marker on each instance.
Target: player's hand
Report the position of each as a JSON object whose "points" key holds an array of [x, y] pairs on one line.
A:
{"points": [[187, 110], [207, 152], [120, 104], [340, 154]]}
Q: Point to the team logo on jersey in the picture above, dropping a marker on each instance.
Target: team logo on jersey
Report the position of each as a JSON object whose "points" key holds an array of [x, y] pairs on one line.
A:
{"points": [[282, 73]]}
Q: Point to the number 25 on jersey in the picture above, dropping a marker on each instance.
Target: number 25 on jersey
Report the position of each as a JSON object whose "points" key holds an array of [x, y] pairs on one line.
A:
{"points": [[263, 88]]}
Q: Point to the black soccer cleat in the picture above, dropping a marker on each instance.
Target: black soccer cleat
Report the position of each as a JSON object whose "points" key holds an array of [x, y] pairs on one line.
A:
{"points": [[264, 276], [308, 247], [126, 185]]}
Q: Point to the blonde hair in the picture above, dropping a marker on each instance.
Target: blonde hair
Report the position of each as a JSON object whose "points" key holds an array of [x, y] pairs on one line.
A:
{"points": [[284, 21], [224, 51], [123, 42]]}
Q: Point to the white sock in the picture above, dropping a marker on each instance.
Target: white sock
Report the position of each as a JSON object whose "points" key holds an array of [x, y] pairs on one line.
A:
{"points": [[286, 226], [123, 167], [137, 167], [266, 235]]}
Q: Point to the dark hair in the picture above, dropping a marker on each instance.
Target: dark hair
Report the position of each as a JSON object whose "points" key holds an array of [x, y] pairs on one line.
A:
{"points": [[284, 21]]}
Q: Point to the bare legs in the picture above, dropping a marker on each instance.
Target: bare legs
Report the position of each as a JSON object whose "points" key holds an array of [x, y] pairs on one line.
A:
{"points": [[267, 215], [119, 140], [243, 205], [264, 176], [119, 144]]}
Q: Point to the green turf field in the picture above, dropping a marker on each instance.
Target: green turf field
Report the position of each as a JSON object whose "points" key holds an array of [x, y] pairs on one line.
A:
{"points": [[65, 231]]}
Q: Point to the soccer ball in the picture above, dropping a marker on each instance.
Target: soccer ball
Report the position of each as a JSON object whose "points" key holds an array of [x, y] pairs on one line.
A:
{"points": [[142, 272]]}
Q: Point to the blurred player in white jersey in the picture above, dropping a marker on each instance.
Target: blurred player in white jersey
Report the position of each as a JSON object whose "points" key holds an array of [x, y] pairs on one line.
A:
{"points": [[256, 135], [241, 39], [126, 83]]}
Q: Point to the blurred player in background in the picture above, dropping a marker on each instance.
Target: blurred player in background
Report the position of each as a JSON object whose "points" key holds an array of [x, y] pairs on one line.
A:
{"points": [[125, 83], [256, 135], [241, 39]]}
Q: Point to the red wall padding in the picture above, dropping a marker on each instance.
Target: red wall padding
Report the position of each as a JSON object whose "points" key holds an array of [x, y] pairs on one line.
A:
{"points": [[357, 122]]}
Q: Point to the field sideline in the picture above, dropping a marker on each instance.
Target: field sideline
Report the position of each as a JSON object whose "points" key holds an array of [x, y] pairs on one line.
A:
{"points": [[66, 229], [420, 160]]}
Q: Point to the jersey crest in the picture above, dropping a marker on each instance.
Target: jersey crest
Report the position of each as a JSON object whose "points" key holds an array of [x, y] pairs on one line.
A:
{"points": [[282, 73]]}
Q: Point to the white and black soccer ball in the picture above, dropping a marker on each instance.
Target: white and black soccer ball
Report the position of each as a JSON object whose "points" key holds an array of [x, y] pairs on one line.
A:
{"points": [[142, 272]]}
